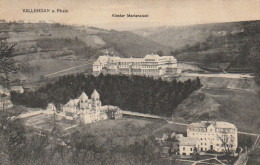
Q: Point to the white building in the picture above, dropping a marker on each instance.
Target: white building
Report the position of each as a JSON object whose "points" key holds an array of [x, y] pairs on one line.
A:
{"points": [[88, 110], [212, 134], [187, 145], [51, 108], [150, 65]]}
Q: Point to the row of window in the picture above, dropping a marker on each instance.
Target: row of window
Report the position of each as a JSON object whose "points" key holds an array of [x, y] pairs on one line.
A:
{"points": [[217, 130], [200, 134], [184, 149]]}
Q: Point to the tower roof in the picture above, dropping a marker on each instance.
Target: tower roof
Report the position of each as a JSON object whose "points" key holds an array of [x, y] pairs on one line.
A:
{"points": [[95, 94], [83, 96]]}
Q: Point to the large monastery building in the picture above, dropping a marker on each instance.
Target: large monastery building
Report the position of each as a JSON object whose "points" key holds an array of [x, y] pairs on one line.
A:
{"points": [[90, 109], [150, 65]]}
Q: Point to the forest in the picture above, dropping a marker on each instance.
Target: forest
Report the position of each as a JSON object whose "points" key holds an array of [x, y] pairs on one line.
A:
{"points": [[134, 93], [21, 145]]}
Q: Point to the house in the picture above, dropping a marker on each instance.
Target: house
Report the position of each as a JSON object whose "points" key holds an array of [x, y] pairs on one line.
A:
{"points": [[150, 65], [113, 112], [17, 89], [187, 146], [201, 136], [212, 134], [51, 108]]}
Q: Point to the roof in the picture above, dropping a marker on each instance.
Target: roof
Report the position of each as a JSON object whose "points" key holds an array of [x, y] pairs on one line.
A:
{"points": [[72, 103], [83, 96], [50, 105], [95, 94], [186, 141], [216, 124], [131, 59], [152, 56]]}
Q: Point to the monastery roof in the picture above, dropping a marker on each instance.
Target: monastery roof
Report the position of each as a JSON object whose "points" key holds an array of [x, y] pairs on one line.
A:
{"points": [[72, 103], [95, 94], [83, 96], [131, 59], [152, 56], [103, 58], [216, 124], [186, 141]]}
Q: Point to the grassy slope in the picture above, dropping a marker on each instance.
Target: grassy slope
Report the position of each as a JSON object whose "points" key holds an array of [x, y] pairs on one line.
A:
{"points": [[130, 44], [240, 107]]}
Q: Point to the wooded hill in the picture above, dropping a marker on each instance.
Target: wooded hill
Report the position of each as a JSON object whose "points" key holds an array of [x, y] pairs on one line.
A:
{"points": [[233, 46], [136, 93]]}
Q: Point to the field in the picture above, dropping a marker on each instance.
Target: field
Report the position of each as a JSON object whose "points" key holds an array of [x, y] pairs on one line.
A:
{"points": [[46, 122]]}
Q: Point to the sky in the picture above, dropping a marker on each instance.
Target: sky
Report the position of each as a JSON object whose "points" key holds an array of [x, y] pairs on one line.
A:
{"points": [[161, 12]]}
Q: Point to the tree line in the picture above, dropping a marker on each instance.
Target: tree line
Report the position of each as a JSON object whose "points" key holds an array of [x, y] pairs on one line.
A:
{"points": [[133, 93]]}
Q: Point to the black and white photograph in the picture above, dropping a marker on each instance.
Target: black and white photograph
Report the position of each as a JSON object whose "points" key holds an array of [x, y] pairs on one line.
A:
{"points": [[130, 82]]}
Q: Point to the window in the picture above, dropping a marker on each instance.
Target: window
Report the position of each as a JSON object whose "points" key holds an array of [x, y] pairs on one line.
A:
{"points": [[205, 143], [183, 148], [190, 149], [201, 143]]}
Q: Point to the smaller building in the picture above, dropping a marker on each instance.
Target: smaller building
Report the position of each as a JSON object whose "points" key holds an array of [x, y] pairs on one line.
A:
{"points": [[51, 107], [17, 89], [187, 146]]}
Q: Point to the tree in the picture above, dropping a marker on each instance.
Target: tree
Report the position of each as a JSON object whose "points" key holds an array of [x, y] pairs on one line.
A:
{"points": [[12, 137], [7, 63], [196, 154], [227, 144]]}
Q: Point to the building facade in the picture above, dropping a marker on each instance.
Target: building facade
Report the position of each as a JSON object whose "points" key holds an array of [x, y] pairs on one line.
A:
{"points": [[89, 110], [212, 135], [150, 65], [187, 146]]}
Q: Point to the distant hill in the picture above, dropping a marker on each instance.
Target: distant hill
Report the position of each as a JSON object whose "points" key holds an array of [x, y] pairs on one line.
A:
{"points": [[231, 46], [129, 44], [40, 43]]}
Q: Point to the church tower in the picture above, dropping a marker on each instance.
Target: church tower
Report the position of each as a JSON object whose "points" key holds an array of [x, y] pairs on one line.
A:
{"points": [[95, 100], [83, 101]]}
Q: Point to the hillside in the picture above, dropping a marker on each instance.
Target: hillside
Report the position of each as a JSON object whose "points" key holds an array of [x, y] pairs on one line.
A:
{"points": [[231, 46], [129, 44], [240, 107], [64, 46]]}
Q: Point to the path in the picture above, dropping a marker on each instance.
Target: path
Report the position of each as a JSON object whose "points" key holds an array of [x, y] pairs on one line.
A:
{"points": [[194, 162]]}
